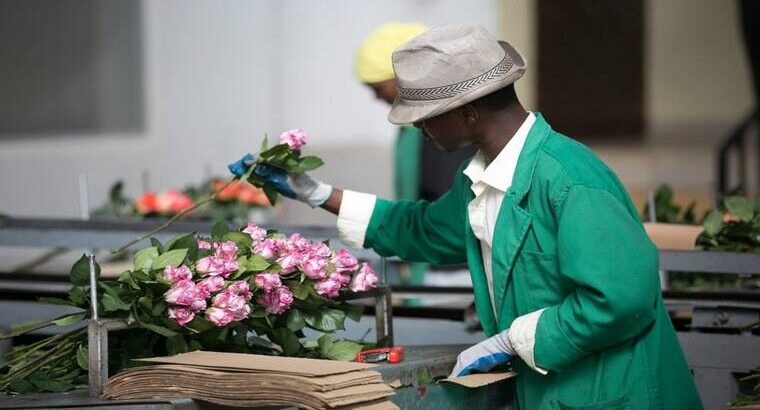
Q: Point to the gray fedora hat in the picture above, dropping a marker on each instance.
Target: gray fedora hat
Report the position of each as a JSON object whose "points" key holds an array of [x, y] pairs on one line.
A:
{"points": [[448, 67]]}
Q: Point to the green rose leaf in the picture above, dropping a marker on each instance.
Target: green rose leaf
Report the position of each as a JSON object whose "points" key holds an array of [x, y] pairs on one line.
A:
{"points": [[271, 192], [253, 263], [112, 303], [740, 208], [713, 222], [172, 258], [144, 258], [354, 312], [219, 230], [287, 340], [343, 350], [295, 320], [300, 290], [21, 386], [163, 331], [309, 163], [77, 296], [180, 242], [327, 320], [80, 271], [82, 359], [325, 342], [56, 301], [176, 344], [157, 244], [71, 319], [146, 303], [279, 151], [242, 240]]}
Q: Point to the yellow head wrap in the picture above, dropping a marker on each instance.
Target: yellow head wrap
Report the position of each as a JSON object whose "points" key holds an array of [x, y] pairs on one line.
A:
{"points": [[373, 59]]}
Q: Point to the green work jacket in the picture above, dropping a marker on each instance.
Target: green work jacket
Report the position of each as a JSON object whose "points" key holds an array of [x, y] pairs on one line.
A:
{"points": [[569, 240]]}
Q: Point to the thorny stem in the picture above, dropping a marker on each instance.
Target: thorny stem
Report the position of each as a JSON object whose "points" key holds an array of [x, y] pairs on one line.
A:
{"points": [[172, 219]]}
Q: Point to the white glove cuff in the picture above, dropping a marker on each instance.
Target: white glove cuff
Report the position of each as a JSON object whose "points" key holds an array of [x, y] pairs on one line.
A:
{"points": [[319, 195], [522, 335]]}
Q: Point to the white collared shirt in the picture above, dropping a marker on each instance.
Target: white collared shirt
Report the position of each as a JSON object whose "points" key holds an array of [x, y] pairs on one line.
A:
{"points": [[489, 184]]}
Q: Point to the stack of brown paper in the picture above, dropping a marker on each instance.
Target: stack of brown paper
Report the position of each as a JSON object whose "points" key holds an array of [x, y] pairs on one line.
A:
{"points": [[248, 380]]}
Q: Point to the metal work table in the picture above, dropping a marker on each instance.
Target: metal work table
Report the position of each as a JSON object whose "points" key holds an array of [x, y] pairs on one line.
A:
{"points": [[416, 374]]}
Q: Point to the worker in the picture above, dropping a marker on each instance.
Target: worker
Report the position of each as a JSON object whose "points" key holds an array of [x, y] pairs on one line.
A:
{"points": [[564, 275], [411, 180]]}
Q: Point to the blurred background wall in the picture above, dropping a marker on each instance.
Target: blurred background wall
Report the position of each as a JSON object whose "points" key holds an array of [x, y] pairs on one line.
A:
{"points": [[215, 76]]}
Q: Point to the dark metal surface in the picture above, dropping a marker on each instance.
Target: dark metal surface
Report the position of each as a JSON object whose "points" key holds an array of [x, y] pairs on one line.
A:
{"points": [[717, 361], [111, 233], [710, 262]]}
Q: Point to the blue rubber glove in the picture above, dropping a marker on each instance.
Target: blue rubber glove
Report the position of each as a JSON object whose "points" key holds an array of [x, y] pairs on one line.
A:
{"points": [[277, 177], [240, 167], [484, 356]]}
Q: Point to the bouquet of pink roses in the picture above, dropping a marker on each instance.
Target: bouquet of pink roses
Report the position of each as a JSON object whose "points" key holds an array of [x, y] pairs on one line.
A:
{"points": [[245, 290]]}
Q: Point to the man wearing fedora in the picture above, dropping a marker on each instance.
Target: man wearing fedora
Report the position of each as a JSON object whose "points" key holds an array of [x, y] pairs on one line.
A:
{"points": [[564, 275]]}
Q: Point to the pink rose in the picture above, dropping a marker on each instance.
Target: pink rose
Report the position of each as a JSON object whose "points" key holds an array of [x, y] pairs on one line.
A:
{"points": [[228, 300], [204, 244], [345, 262], [256, 233], [241, 313], [215, 266], [342, 278], [294, 138], [328, 288], [277, 301], [182, 293], [229, 267], [174, 275], [206, 264], [267, 281], [211, 284], [226, 250], [268, 248], [320, 249], [241, 288], [314, 267], [181, 315], [364, 280], [199, 303], [219, 317], [298, 243], [289, 262]]}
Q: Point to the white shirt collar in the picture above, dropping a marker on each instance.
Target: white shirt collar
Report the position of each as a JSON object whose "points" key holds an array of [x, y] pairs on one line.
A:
{"points": [[500, 171]]}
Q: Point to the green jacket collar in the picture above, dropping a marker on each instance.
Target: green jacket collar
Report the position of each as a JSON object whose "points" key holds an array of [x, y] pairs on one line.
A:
{"points": [[526, 164]]}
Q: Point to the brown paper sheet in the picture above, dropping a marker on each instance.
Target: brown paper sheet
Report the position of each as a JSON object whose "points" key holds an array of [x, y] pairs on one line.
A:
{"points": [[261, 363], [480, 379]]}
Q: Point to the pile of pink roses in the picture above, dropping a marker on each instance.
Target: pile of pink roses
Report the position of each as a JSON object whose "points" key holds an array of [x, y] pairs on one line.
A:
{"points": [[209, 290]]}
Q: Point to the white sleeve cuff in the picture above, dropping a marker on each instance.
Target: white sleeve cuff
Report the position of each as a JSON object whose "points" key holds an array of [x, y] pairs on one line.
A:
{"points": [[353, 218], [522, 335]]}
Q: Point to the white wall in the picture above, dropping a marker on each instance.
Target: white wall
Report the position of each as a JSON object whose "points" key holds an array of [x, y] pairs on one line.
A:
{"points": [[220, 74]]}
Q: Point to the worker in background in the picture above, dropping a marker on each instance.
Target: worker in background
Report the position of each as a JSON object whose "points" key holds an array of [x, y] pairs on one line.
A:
{"points": [[421, 170], [564, 275]]}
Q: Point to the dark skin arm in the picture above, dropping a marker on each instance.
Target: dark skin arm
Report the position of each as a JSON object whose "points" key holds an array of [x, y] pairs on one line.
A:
{"points": [[333, 203]]}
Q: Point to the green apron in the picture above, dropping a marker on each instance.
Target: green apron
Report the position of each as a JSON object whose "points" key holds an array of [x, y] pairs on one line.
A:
{"points": [[406, 184], [567, 239]]}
